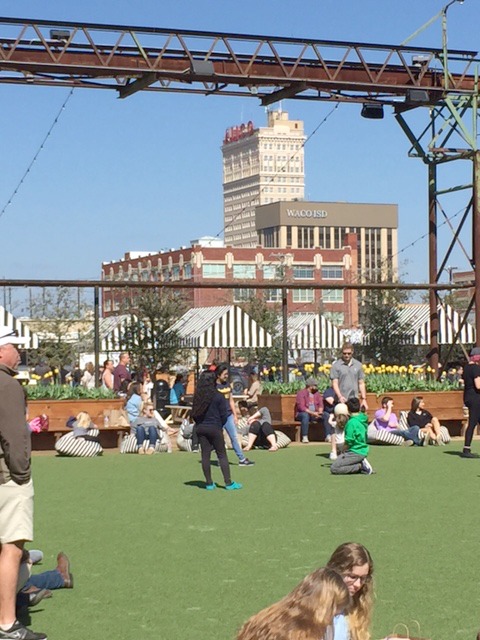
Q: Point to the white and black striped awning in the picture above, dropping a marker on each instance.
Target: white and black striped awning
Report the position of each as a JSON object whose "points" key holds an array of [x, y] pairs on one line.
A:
{"points": [[311, 331], [219, 327], [417, 318], [112, 331], [11, 323]]}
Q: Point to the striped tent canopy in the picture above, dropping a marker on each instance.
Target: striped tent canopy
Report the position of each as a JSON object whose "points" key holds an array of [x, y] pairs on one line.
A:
{"points": [[312, 331], [417, 316], [112, 330], [219, 327], [14, 324]]}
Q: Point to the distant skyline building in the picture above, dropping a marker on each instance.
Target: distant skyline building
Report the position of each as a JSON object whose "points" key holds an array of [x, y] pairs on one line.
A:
{"points": [[260, 166], [207, 260], [325, 225]]}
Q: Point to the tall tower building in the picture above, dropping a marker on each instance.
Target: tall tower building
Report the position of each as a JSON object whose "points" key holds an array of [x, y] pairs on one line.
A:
{"points": [[260, 166]]}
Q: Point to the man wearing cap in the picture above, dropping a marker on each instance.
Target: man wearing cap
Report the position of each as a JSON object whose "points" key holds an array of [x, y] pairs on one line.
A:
{"points": [[471, 399], [16, 487], [308, 407], [348, 379]]}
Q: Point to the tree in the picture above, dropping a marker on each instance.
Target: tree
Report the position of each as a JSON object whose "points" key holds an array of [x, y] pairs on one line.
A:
{"points": [[62, 319], [152, 312], [266, 316], [386, 336]]}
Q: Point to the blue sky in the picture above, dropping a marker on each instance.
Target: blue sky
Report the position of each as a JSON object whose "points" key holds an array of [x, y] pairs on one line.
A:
{"points": [[111, 177]]}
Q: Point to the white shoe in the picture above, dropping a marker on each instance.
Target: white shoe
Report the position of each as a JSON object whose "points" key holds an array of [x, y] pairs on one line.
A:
{"points": [[426, 440], [305, 439], [328, 439], [333, 456]]}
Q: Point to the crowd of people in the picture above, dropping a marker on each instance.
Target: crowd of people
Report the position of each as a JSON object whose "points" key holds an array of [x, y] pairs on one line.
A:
{"points": [[334, 602]]}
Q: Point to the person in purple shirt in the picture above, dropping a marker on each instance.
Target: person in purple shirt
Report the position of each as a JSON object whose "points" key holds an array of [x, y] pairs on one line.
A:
{"points": [[386, 419], [308, 407], [121, 375]]}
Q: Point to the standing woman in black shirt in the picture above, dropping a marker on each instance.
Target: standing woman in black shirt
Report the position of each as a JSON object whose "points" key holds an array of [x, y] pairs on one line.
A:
{"points": [[210, 413], [471, 399]]}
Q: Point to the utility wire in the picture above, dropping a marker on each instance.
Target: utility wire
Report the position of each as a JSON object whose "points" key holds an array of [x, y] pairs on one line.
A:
{"points": [[27, 171]]}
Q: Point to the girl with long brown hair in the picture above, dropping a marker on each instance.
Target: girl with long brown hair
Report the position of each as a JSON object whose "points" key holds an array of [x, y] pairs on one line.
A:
{"points": [[354, 563], [306, 613]]}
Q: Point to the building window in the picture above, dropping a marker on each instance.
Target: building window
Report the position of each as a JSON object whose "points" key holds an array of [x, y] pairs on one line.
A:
{"points": [[243, 295], [273, 295], [305, 237], [324, 239], [303, 272], [272, 272], [270, 237], [244, 271], [332, 273], [187, 271], [303, 295], [337, 317], [213, 271], [176, 273], [289, 236], [332, 295], [107, 305]]}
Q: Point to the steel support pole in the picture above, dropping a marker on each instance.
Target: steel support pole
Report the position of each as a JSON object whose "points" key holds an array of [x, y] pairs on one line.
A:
{"points": [[284, 336], [432, 264], [96, 333], [476, 238]]}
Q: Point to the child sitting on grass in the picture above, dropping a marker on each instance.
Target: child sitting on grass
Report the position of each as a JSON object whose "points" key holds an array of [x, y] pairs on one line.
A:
{"points": [[354, 460], [338, 419]]}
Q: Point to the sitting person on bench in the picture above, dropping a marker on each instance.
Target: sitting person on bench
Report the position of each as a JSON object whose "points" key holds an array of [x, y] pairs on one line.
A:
{"points": [[308, 407], [260, 432], [386, 419]]}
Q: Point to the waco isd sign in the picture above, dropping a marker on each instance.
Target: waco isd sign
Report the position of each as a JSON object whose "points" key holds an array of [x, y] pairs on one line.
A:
{"points": [[306, 213]]}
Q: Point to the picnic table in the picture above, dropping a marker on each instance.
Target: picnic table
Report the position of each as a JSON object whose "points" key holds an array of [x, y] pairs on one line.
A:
{"points": [[178, 412]]}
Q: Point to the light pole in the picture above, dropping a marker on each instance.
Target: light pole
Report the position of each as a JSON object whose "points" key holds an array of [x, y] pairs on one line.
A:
{"points": [[445, 40]]}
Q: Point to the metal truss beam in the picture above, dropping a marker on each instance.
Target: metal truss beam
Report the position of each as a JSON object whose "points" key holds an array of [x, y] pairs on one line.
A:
{"points": [[128, 59]]}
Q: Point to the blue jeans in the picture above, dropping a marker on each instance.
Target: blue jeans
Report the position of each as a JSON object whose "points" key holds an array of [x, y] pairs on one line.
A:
{"points": [[410, 434], [46, 580], [305, 418], [141, 435], [231, 429]]}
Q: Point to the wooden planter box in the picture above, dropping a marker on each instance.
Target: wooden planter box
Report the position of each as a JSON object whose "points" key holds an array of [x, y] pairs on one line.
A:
{"points": [[447, 406], [58, 412]]}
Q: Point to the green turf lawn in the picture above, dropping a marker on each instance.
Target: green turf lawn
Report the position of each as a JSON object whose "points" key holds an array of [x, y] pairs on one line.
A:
{"points": [[156, 557]]}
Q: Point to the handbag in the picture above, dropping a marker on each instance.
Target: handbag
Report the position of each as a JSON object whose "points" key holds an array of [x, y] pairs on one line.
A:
{"points": [[117, 417]]}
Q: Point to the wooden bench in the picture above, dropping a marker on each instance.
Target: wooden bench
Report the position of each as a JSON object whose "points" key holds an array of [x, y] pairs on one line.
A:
{"points": [[110, 437], [289, 428]]}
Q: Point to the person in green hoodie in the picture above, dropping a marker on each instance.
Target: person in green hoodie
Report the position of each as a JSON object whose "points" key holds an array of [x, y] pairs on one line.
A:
{"points": [[354, 460]]}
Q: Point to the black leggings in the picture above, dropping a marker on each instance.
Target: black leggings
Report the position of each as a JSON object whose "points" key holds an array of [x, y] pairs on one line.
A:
{"points": [[473, 419], [261, 431], [211, 438]]}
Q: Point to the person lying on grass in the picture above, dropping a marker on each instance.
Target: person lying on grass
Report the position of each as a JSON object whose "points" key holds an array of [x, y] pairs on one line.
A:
{"points": [[306, 613], [260, 431], [354, 459]]}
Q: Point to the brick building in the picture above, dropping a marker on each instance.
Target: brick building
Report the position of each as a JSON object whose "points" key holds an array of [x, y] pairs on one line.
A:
{"points": [[208, 260]]}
